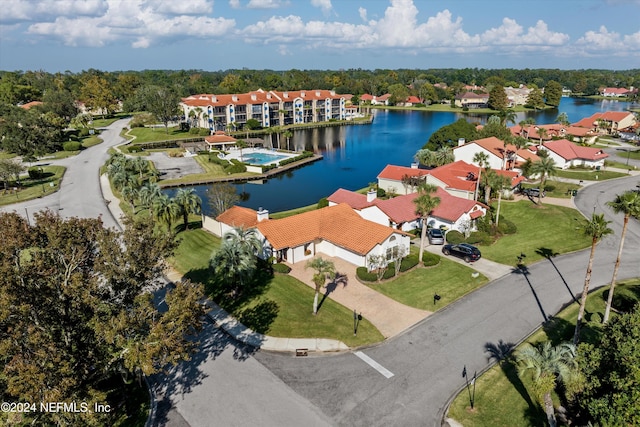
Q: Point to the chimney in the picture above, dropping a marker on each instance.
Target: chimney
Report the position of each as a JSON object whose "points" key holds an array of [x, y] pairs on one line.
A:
{"points": [[371, 195], [234, 98], [414, 165], [461, 142], [262, 214], [254, 97]]}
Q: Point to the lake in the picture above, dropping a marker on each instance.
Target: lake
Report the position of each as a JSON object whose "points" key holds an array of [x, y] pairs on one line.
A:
{"points": [[355, 154]]}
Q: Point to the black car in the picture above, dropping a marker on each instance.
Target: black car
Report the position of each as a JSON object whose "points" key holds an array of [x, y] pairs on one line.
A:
{"points": [[465, 251]]}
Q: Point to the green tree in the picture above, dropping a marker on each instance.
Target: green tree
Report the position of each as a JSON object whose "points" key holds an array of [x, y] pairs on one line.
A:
{"points": [[612, 379], [287, 135], [544, 168], [482, 160], [188, 202], [162, 102], [547, 365], [563, 119], [236, 261], [627, 203], [398, 92], [148, 193], [425, 204], [10, 169], [596, 228], [29, 131], [61, 103], [448, 135], [535, 99], [97, 94], [498, 98], [324, 269], [165, 210], [77, 312], [507, 116], [553, 93]]}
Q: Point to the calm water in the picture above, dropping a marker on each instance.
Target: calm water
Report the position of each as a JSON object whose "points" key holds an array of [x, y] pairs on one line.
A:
{"points": [[354, 155]]}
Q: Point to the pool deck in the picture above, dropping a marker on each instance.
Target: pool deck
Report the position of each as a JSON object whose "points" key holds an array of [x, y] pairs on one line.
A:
{"points": [[247, 152]]}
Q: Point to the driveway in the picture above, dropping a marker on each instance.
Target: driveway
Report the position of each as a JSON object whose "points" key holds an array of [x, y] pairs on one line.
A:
{"points": [[174, 167]]}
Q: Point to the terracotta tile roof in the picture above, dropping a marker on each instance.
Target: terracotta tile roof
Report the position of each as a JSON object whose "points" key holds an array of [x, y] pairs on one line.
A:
{"points": [[237, 216], [569, 151], [414, 100], [337, 224], [451, 208], [257, 97], [366, 97], [219, 138], [612, 116], [353, 199], [397, 172], [400, 208], [28, 105], [476, 214], [455, 175]]}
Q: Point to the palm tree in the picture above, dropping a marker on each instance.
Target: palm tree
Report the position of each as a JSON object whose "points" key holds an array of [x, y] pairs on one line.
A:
{"points": [[443, 155], [231, 262], [488, 180], [629, 204], [425, 204], [129, 193], [545, 167], [287, 135], [481, 159], [547, 364], [246, 239], [241, 144], [141, 166], [165, 210], [148, 193], [188, 202], [507, 116], [597, 228], [324, 268], [542, 133], [499, 182]]}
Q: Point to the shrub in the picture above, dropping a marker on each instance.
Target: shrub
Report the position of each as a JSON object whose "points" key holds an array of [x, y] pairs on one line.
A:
{"points": [[281, 268], [409, 262], [323, 203], [366, 276], [213, 158], [235, 167], [204, 132], [176, 152], [83, 132], [140, 120], [380, 193], [454, 237], [391, 271], [194, 131], [429, 259], [506, 227], [479, 237], [35, 173], [71, 146]]}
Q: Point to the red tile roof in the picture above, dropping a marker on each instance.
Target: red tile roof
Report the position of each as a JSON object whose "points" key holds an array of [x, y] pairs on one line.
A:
{"points": [[611, 116], [451, 208], [237, 216], [353, 199], [220, 138], [455, 175], [28, 105], [397, 172], [569, 151], [337, 224], [257, 97]]}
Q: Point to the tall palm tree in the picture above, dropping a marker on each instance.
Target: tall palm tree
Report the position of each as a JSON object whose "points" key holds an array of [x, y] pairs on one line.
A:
{"points": [[597, 228], [507, 116], [324, 269], [141, 166], [629, 204], [234, 264], [148, 193], [188, 202], [444, 155], [481, 159], [542, 133], [287, 135], [545, 167], [547, 365], [165, 210], [425, 204], [500, 182]]}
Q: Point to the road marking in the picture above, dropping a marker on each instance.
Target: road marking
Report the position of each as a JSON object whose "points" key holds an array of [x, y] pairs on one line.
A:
{"points": [[375, 365]]}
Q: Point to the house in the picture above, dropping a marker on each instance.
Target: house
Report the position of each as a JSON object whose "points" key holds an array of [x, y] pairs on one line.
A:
{"points": [[335, 231], [453, 213], [555, 131], [609, 122], [460, 179], [517, 95], [567, 154], [472, 100], [272, 108], [381, 100], [220, 141], [399, 179], [617, 92], [501, 155], [412, 100]]}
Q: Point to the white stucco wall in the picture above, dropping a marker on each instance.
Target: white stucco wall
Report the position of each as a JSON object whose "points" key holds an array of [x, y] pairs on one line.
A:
{"points": [[374, 214], [467, 151]]}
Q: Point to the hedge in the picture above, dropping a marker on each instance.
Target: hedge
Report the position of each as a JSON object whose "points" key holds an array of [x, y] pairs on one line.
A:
{"points": [[506, 227], [71, 146], [35, 172], [479, 237], [366, 276], [304, 155], [281, 268], [429, 259], [409, 262], [454, 237]]}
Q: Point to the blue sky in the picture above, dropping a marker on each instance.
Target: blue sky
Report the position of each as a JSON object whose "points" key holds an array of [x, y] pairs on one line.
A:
{"points": [[75, 35]]}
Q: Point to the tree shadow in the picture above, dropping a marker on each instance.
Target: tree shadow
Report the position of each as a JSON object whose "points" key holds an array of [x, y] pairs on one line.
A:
{"points": [[339, 278], [260, 317], [548, 253], [624, 298], [522, 269], [502, 354]]}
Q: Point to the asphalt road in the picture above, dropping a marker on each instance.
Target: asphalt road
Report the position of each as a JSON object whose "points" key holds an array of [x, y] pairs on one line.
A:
{"points": [[428, 360]]}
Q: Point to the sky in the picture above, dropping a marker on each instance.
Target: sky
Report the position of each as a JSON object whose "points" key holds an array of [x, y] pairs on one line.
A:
{"points": [[212, 35]]}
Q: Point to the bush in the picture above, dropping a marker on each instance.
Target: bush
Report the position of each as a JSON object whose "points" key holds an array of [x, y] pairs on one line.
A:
{"points": [[235, 167], [323, 203], [194, 131], [204, 132], [506, 227], [35, 173], [479, 237], [454, 237], [409, 262], [281, 268], [213, 158], [391, 271], [71, 146], [380, 193], [83, 132], [366, 276], [429, 259]]}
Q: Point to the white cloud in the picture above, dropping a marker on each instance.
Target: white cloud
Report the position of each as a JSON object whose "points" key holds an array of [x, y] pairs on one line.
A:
{"points": [[602, 40], [363, 13], [324, 5], [48, 10], [173, 7], [235, 4], [265, 4], [512, 34]]}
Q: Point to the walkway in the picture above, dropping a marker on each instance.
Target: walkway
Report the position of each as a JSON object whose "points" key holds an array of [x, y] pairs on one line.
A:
{"points": [[388, 316]]}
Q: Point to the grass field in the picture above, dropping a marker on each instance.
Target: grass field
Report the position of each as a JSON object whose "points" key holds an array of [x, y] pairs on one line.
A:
{"points": [[553, 228], [589, 175], [34, 188], [502, 397]]}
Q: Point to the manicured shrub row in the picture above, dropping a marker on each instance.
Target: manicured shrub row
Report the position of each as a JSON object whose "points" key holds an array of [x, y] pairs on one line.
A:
{"points": [[35, 173], [281, 268], [71, 146], [366, 276], [134, 149], [213, 158], [429, 259], [236, 166], [479, 238], [304, 155], [200, 131], [454, 237], [409, 262], [269, 167]]}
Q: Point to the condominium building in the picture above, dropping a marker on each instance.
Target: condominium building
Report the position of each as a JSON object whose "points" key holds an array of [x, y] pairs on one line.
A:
{"points": [[272, 108]]}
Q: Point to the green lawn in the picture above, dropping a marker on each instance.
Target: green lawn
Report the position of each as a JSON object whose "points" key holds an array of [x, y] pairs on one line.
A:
{"points": [[33, 189], [555, 229], [417, 287], [158, 134], [556, 188], [502, 398], [281, 305], [589, 174]]}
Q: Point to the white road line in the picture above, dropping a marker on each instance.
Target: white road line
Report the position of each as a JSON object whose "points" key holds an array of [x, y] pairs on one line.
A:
{"points": [[375, 365]]}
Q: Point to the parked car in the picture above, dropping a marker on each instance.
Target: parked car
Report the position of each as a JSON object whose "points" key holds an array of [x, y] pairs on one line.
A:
{"points": [[465, 251], [532, 192], [436, 236]]}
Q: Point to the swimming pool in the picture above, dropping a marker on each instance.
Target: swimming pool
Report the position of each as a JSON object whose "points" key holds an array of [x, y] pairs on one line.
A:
{"points": [[262, 158]]}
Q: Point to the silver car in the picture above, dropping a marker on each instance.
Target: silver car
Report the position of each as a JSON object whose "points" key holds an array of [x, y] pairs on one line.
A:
{"points": [[436, 236]]}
